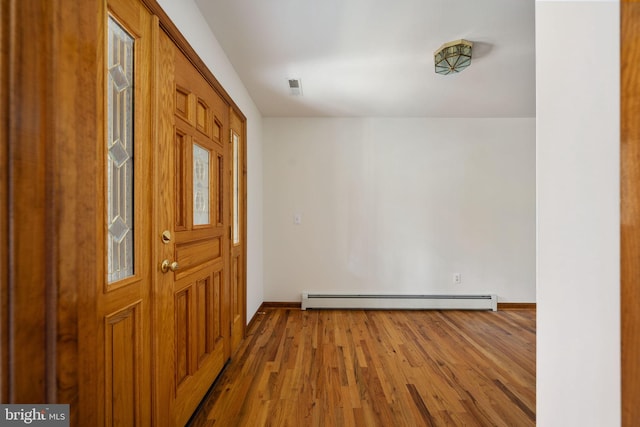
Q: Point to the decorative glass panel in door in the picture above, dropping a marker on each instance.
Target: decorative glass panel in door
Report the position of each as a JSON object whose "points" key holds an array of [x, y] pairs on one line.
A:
{"points": [[120, 243], [200, 185], [236, 188]]}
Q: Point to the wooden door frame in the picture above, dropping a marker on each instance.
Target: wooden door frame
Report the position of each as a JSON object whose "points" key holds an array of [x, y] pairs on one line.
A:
{"points": [[48, 203], [238, 126], [630, 210]]}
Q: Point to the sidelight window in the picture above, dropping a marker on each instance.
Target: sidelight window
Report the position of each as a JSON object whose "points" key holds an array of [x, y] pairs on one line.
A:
{"points": [[236, 188], [120, 216]]}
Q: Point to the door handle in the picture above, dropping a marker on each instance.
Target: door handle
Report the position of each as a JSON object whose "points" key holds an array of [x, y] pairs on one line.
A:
{"points": [[166, 266]]}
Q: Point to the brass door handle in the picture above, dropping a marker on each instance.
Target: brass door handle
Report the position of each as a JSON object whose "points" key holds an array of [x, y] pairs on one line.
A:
{"points": [[166, 266]]}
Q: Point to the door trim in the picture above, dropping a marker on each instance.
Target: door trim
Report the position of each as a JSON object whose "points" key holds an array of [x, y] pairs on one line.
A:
{"points": [[630, 210]]}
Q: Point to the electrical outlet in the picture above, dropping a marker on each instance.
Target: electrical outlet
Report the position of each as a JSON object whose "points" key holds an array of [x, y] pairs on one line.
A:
{"points": [[297, 218], [457, 278]]}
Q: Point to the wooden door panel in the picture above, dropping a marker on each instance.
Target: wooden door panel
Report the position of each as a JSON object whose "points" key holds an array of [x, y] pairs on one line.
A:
{"points": [[180, 194], [238, 302], [193, 254], [182, 103], [182, 316], [237, 280], [203, 118], [200, 341], [197, 320], [204, 318], [123, 342]]}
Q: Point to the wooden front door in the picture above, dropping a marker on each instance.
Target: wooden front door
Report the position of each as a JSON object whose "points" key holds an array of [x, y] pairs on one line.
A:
{"points": [[193, 340]]}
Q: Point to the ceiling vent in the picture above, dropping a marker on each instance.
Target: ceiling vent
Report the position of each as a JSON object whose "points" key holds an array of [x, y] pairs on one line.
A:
{"points": [[295, 87]]}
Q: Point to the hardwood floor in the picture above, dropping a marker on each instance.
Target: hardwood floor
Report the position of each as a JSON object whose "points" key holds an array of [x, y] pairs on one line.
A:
{"points": [[379, 368]]}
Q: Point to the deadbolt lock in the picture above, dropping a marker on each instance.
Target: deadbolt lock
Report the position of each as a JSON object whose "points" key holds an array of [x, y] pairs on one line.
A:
{"points": [[166, 236]]}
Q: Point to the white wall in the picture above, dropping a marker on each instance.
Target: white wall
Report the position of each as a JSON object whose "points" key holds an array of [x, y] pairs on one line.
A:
{"points": [[187, 17], [578, 277], [399, 205]]}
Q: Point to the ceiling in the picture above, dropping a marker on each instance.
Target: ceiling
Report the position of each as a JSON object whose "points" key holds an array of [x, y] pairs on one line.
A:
{"points": [[374, 58]]}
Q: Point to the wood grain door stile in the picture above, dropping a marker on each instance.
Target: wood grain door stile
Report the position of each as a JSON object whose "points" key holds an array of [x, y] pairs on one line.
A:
{"points": [[164, 360]]}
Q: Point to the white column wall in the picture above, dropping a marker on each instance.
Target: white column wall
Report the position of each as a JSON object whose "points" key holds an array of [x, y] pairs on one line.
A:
{"points": [[578, 256]]}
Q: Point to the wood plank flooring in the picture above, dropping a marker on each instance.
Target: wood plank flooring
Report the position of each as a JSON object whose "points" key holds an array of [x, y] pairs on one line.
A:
{"points": [[379, 368]]}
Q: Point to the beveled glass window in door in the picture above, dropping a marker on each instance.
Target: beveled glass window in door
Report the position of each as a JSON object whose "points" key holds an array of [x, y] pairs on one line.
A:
{"points": [[120, 197], [236, 188], [200, 186]]}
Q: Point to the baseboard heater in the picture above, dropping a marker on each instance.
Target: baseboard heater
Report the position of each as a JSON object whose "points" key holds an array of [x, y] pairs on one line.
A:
{"points": [[312, 300]]}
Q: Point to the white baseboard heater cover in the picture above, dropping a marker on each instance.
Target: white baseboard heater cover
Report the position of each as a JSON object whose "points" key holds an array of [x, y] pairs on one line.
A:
{"points": [[399, 301]]}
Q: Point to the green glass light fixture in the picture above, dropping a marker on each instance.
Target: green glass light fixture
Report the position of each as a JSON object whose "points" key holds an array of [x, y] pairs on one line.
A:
{"points": [[453, 57]]}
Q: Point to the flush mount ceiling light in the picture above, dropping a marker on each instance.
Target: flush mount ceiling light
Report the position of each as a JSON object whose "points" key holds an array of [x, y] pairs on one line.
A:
{"points": [[453, 57]]}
